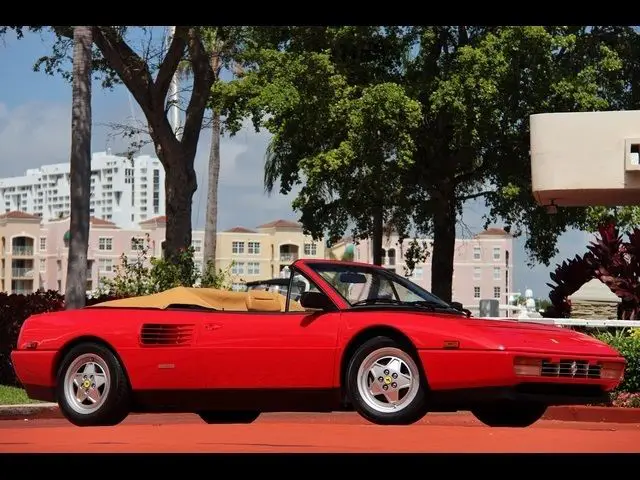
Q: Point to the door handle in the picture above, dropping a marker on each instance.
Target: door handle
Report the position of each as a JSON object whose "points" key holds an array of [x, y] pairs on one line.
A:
{"points": [[212, 326]]}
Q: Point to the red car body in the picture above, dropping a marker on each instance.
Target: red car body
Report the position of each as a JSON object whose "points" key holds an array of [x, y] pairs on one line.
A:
{"points": [[298, 360]]}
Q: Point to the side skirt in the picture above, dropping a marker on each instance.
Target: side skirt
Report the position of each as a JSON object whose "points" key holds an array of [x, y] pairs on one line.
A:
{"points": [[263, 400]]}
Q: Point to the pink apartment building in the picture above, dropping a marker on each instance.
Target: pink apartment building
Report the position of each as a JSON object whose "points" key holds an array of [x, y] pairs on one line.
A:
{"points": [[34, 254], [483, 265]]}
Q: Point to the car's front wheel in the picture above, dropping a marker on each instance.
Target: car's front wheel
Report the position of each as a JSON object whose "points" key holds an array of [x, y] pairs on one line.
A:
{"points": [[385, 384], [92, 388], [509, 414], [214, 417]]}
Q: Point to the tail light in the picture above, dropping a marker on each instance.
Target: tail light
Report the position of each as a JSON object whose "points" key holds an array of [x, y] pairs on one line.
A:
{"points": [[527, 367]]}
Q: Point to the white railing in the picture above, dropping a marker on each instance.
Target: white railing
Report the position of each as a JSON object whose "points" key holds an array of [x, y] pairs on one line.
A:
{"points": [[521, 314]]}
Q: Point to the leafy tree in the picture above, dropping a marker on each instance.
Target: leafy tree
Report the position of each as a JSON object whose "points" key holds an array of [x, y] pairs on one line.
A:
{"points": [[76, 285], [348, 132], [147, 75], [476, 88]]}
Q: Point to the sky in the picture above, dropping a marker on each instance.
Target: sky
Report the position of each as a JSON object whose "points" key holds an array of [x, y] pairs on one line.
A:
{"points": [[35, 130]]}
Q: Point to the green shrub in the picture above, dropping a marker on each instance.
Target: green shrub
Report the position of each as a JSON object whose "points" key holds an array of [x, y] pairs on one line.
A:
{"points": [[628, 344], [146, 275]]}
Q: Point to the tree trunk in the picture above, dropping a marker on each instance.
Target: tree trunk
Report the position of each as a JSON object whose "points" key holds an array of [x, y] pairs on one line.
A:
{"points": [[377, 232], [80, 167], [444, 242], [211, 225], [180, 185]]}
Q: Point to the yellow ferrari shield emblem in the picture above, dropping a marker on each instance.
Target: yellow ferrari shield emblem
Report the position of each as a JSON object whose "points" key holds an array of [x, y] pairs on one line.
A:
{"points": [[86, 384], [387, 380]]}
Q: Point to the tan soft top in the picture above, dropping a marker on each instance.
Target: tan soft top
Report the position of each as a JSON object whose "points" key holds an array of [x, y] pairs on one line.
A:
{"points": [[253, 300]]}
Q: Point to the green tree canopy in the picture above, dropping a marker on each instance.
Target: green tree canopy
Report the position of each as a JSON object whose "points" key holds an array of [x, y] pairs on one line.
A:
{"points": [[474, 89]]}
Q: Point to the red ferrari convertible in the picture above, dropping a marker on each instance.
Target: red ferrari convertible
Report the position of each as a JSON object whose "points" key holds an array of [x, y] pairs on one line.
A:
{"points": [[359, 337]]}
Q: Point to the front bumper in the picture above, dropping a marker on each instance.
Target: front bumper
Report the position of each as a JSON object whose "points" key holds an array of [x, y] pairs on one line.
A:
{"points": [[468, 369]]}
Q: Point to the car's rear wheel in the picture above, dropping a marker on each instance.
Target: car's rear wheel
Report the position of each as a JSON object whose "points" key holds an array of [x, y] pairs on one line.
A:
{"points": [[229, 416], [385, 384], [509, 414], [92, 387]]}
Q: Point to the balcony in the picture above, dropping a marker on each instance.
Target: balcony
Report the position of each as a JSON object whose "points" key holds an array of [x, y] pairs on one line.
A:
{"points": [[22, 251], [22, 247], [22, 272]]}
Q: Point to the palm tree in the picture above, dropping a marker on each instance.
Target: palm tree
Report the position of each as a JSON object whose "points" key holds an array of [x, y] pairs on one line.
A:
{"points": [[222, 45], [80, 166]]}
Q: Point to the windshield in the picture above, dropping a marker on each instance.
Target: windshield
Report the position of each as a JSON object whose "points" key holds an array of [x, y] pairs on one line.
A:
{"points": [[368, 285]]}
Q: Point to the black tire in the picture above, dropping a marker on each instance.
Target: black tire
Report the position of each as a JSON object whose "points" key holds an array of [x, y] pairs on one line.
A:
{"points": [[374, 411], [509, 414], [114, 405], [221, 416]]}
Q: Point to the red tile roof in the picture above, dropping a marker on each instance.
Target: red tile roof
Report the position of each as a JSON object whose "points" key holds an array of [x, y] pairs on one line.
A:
{"points": [[101, 222], [240, 230], [18, 215], [160, 219], [492, 231], [281, 224]]}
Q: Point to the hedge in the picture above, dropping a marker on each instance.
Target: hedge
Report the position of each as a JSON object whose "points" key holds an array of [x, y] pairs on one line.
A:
{"points": [[627, 342], [15, 309]]}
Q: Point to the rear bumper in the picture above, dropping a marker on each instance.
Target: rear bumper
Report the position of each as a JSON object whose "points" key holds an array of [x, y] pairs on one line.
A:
{"points": [[35, 370]]}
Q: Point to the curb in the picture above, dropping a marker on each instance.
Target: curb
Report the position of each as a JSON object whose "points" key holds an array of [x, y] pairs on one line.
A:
{"points": [[581, 413], [30, 411], [559, 413]]}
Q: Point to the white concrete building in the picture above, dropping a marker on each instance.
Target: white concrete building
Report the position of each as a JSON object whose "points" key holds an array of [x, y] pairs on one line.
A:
{"points": [[124, 192]]}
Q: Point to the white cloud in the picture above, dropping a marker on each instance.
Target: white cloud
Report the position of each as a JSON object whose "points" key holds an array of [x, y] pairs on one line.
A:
{"points": [[33, 134]]}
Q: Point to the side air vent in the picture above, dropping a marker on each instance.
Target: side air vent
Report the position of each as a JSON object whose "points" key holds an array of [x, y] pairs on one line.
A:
{"points": [[163, 334]]}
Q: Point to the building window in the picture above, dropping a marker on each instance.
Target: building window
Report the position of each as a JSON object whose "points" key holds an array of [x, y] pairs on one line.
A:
{"points": [[238, 268], [237, 248], [105, 265], [477, 253], [496, 253], [43, 244], [197, 246], [137, 243], [496, 273], [253, 268], [105, 244], [310, 249], [43, 264], [253, 248], [496, 292], [476, 292], [476, 273]]}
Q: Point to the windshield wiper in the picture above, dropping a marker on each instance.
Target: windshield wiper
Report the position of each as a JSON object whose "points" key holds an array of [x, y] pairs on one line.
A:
{"points": [[433, 306], [371, 301]]}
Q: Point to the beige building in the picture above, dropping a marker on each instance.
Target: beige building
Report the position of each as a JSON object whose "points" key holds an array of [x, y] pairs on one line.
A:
{"points": [[262, 253], [35, 254], [585, 158]]}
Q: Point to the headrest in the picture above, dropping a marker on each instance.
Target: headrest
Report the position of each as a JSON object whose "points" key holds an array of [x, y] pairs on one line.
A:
{"points": [[262, 301]]}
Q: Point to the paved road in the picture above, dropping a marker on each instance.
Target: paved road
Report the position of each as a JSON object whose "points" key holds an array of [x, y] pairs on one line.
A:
{"points": [[340, 432]]}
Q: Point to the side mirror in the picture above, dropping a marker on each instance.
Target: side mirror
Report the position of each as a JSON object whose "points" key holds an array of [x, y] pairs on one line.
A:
{"points": [[315, 301], [459, 306]]}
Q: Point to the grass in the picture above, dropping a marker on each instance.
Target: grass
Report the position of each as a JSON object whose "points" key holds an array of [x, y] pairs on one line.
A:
{"points": [[14, 396]]}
